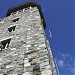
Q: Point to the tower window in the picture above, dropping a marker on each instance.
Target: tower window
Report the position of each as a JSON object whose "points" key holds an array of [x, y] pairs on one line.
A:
{"points": [[12, 27], [5, 43], [16, 19], [36, 69]]}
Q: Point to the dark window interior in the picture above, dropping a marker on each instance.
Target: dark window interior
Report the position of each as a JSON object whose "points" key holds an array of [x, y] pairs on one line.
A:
{"points": [[11, 28], [4, 74], [5, 43], [36, 67], [16, 19]]}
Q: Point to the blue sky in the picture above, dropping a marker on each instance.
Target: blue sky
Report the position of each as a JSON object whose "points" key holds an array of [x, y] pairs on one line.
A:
{"points": [[59, 17]]}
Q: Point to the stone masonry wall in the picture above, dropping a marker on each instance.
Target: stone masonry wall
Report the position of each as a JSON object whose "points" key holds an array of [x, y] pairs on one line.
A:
{"points": [[28, 52]]}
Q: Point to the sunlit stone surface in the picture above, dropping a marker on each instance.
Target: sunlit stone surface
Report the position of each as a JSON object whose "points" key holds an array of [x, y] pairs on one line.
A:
{"points": [[24, 49]]}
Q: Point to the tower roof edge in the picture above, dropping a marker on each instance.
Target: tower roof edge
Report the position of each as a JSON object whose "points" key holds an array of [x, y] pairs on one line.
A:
{"points": [[25, 5]]}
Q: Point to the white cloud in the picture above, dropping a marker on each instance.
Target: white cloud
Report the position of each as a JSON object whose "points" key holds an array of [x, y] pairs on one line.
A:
{"points": [[61, 63], [66, 61], [74, 67], [64, 56]]}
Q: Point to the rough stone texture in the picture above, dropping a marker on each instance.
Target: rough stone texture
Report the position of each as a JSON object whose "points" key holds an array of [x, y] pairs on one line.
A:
{"points": [[28, 52]]}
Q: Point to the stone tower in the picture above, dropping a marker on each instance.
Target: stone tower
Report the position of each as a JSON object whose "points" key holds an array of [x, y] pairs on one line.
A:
{"points": [[24, 49]]}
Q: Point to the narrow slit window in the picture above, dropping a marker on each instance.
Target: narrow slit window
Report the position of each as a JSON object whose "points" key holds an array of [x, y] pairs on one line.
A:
{"points": [[36, 69], [16, 19], [5, 43], [12, 27]]}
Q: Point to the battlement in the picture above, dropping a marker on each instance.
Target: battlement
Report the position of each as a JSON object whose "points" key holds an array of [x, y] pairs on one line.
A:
{"points": [[26, 5], [24, 49]]}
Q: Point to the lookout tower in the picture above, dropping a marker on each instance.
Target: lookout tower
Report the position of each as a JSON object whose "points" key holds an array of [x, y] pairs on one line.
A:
{"points": [[24, 49]]}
